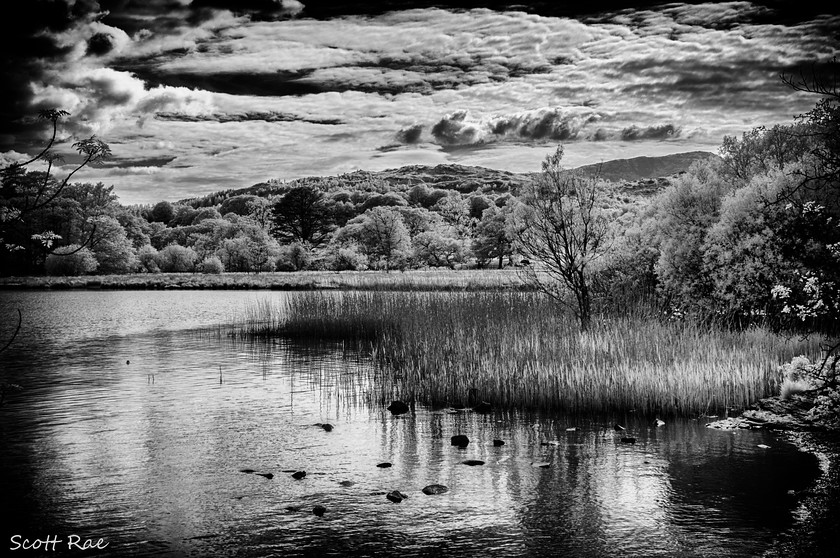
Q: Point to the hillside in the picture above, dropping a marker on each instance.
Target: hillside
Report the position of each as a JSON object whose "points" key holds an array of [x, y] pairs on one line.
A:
{"points": [[639, 175]]}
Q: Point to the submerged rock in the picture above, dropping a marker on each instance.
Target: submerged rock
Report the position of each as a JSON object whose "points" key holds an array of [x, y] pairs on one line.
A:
{"points": [[319, 510], [498, 443], [398, 408], [326, 426], [249, 471], [433, 489], [266, 475], [541, 464], [383, 465], [473, 462], [297, 475], [396, 496], [460, 440], [347, 483]]}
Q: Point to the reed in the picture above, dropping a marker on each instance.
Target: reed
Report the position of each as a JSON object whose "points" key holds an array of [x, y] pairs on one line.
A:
{"points": [[518, 350]]}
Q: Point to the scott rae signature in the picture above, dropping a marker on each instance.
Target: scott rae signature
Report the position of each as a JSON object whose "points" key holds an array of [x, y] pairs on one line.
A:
{"points": [[52, 543]]}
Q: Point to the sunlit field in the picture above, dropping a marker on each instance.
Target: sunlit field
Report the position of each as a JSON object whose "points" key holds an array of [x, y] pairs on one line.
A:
{"points": [[519, 350]]}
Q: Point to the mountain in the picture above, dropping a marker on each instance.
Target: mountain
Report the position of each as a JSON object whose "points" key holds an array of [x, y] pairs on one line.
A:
{"points": [[642, 168]]}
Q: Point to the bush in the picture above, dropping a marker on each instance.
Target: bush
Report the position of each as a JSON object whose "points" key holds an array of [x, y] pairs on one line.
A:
{"points": [[212, 265], [147, 258], [177, 259], [348, 259], [294, 257], [70, 260]]}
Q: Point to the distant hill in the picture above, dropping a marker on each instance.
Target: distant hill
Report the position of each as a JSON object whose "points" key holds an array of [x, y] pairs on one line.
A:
{"points": [[640, 175], [642, 168]]}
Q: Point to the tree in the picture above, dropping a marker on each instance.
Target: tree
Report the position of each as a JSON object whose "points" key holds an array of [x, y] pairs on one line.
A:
{"points": [[24, 194], [381, 235], [562, 228], [492, 240], [70, 260], [111, 247], [438, 248], [162, 212], [302, 215]]}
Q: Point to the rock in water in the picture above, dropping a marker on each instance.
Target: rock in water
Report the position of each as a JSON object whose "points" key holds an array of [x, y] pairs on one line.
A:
{"points": [[473, 462], [660, 422], [298, 475], [541, 464], [483, 407], [327, 427], [383, 465], [396, 496], [460, 440], [618, 428], [247, 471], [498, 443], [398, 408], [628, 440], [433, 489], [319, 510], [266, 475]]}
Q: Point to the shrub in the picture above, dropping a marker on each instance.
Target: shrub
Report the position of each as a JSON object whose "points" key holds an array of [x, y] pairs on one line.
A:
{"points": [[177, 259], [348, 259], [70, 260], [147, 258], [212, 265]]}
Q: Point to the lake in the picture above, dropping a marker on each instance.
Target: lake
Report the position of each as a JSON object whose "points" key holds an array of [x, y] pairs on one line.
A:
{"points": [[135, 422]]}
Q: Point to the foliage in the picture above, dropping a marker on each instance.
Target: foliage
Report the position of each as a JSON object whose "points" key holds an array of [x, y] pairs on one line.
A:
{"points": [[71, 260], [302, 215], [562, 227], [212, 265], [175, 258]]}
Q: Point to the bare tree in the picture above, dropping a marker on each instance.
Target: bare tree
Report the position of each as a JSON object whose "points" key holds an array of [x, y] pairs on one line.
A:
{"points": [[562, 229]]}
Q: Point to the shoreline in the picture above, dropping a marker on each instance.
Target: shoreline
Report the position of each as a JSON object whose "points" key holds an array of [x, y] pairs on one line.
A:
{"points": [[815, 530], [437, 280]]}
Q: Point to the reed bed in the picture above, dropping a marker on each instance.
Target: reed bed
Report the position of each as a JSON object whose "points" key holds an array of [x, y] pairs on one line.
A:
{"points": [[518, 350]]}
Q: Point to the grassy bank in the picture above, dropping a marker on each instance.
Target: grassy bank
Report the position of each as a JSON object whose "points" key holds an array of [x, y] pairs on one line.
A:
{"points": [[415, 280], [518, 350]]}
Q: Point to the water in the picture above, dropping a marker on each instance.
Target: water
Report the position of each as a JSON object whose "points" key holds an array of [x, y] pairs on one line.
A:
{"points": [[147, 455]]}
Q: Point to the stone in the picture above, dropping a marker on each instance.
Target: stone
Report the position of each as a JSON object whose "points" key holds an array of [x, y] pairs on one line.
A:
{"points": [[266, 475], [398, 408], [347, 484], [396, 496], [460, 440], [541, 464], [383, 465], [327, 427], [297, 475], [483, 407], [433, 489], [473, 462], [498, 443], [618, 427], [628, 440], [249, 471], [319, 510]]}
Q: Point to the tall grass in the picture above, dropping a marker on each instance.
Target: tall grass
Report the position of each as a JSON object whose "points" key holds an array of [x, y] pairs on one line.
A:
{"points": [[518, 350]]}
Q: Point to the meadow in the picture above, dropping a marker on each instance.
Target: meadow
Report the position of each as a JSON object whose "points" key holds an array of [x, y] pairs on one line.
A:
{"points": [[519, 350]]}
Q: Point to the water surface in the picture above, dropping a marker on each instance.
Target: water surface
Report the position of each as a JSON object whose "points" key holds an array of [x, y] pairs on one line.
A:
{"points": [[126, 430]]}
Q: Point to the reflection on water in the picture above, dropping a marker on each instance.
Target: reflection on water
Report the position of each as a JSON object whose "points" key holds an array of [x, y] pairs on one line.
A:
{"points": [[148, 454]]}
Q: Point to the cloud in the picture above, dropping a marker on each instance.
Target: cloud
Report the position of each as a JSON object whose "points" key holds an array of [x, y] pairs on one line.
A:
{"points": [[664, 131], [411, 134], [269, 116], [546, 124]]}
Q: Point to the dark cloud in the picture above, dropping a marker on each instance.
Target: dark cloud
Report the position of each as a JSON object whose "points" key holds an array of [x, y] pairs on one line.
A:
{"points": [[99, 44], [246, 117], [664, 131], [411, 134], [454, 129], [539, 125], [145, 162], [275, 84]]}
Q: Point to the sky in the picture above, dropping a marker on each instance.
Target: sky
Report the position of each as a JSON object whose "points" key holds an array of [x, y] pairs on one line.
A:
{"points": [[197, 96]]}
